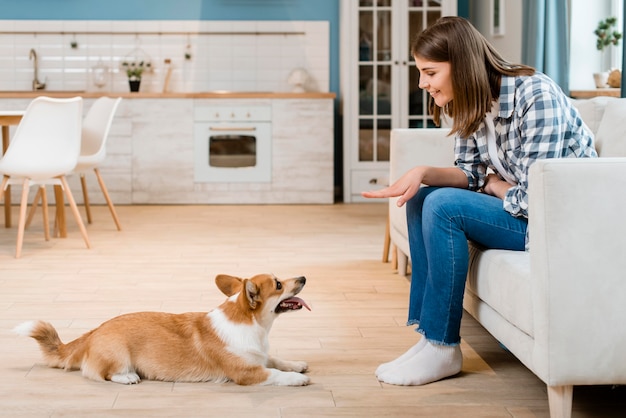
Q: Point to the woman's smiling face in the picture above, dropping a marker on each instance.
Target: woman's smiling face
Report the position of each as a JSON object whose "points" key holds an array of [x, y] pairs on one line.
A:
{"points": [[436, 79]]}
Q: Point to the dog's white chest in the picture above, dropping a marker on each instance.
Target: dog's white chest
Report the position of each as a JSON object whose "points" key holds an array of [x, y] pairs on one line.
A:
{"points": [[245, 340]]}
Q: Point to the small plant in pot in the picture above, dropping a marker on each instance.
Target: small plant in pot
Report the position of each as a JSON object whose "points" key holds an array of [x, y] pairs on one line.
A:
{"points": [[606, 36], [134, 71]]}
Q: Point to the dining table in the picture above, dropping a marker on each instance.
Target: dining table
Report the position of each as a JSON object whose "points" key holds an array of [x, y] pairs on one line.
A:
{"points": [[8, 118], [13, 117]]}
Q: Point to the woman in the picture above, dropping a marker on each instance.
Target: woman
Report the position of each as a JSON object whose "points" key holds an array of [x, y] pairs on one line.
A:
{"points": [[504, 117]]}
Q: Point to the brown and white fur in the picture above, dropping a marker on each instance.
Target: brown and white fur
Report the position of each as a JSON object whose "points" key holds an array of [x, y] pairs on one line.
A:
{"points": [[228, 343]]}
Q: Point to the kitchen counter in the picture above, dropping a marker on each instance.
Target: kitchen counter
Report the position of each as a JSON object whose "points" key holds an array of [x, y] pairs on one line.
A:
{"points": [[152, 149], [218, 94]]}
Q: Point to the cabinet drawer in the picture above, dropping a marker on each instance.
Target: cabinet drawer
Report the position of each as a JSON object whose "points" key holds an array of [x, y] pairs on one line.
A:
{"points": [[368, 180]]}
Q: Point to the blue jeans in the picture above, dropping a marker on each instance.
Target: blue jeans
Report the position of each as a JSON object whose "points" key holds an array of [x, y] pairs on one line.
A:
{"points": [[441, 220]]}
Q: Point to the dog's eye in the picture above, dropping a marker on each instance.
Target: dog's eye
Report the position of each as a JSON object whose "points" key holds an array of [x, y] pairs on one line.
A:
{"points": [[279, 285]]}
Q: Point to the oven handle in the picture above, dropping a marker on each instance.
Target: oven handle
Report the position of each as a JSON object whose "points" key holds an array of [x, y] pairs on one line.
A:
{"points": [[232, 128]]}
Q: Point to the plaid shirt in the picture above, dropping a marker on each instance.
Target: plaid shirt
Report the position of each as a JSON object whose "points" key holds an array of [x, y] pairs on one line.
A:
{"points": [[536, 120]]}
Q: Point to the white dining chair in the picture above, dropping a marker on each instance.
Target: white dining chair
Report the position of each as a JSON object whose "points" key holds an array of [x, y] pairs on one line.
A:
{"points": [[44, 148], [95, 131]]}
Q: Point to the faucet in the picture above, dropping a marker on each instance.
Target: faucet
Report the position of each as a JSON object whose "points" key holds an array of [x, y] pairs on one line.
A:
{"points": [[36, 84]]}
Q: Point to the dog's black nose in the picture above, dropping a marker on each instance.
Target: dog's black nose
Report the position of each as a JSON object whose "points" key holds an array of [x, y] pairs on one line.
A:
{"points": [[301, 280]]}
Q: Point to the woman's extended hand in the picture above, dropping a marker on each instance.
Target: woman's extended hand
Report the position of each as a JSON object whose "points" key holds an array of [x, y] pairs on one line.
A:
{"points": [[407, 186], [404, 188]]}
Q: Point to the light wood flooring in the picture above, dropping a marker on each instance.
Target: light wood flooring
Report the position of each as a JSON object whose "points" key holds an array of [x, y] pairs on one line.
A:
{"points": [[166, 258]]}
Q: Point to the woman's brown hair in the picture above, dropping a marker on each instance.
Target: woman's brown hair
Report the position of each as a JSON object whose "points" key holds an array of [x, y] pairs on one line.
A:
{"points": [[476, 70]]}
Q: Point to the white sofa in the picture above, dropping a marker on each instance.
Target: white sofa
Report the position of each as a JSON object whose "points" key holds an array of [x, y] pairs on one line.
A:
{"points": [[561, 307]]}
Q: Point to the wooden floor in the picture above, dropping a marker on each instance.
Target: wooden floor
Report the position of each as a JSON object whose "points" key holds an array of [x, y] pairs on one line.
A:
{"points": [[166, 258]]}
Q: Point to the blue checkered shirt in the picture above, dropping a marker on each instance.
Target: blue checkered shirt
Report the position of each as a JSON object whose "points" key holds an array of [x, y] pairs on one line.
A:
{"points": [[536, 120]]}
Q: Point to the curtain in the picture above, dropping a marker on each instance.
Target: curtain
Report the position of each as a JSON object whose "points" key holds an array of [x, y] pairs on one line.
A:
{"points": [[623, 91], [545, 38]]}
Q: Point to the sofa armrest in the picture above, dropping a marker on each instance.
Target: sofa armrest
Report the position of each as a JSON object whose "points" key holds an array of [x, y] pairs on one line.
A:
{"points": [[577, 233], [410, 148]]}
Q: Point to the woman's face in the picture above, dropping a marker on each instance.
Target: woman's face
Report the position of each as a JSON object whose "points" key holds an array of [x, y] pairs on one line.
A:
{"points": [[436, 80]]}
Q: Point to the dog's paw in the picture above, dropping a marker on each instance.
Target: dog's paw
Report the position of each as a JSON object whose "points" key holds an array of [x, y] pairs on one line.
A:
{"points": [[288, 366], [299, 366], [126, 378], [286, 379], [295, 379]]}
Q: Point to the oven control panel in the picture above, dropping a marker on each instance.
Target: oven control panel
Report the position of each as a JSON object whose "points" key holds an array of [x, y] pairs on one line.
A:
{"points": [[233, 114]]}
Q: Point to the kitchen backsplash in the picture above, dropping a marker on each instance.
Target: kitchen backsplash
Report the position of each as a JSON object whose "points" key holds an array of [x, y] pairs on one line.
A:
{"points": [[205, 55]]}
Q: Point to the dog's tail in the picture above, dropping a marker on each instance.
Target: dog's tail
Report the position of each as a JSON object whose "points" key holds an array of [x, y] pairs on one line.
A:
{"points": [[56, 354]]}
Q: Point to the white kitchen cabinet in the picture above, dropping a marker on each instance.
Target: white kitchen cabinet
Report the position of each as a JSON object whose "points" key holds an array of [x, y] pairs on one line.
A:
{"points": [[379, 83], [152, 150]]}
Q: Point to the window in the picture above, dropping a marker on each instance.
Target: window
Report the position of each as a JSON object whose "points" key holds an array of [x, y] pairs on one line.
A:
{"points": [[585, 59]]}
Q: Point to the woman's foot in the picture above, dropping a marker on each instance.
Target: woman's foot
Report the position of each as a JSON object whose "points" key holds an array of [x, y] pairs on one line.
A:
{"points": [[433, 362], [409, 353]]}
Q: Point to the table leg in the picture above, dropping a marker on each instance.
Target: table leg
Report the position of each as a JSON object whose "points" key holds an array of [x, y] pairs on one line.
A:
{"points": [[7, 193]]}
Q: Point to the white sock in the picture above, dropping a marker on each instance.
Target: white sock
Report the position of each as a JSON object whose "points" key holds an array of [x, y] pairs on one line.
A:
{"points": [[433, 362], [407, 355]]}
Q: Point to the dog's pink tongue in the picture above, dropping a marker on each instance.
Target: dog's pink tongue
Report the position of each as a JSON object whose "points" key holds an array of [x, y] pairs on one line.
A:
{"points": [[298, 301]]}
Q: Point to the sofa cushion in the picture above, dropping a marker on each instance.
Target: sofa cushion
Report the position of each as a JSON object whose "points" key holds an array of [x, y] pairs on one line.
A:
{"points": [[612, 130], [501, 279], [591, 110]]}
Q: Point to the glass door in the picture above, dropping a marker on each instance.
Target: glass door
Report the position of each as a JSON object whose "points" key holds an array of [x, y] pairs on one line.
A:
{"points": [[375, 74], [421, 14], [380, 83]]}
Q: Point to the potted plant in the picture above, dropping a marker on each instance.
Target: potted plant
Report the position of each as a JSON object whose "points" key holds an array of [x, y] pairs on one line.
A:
{"points": [[134, 71], [606, 36]]}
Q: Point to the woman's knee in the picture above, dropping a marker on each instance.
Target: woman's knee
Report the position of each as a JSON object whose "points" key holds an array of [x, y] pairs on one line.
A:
{"points": [[415, 205], [445, 202]]}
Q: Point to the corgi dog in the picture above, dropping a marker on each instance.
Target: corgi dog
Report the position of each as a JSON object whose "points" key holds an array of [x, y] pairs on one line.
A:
{"points": [[229, 343]]}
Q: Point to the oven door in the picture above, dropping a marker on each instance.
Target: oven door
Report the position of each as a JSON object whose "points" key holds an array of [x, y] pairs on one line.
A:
{"points": [[232, 152]]}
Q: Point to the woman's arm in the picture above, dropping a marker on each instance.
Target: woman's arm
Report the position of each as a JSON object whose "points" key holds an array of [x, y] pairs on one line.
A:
{"points": [[407, 186], [495, 186]]}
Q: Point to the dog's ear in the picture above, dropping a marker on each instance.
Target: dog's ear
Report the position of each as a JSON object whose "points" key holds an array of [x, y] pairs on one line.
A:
{"points": [[253, 293], [229, 285]]}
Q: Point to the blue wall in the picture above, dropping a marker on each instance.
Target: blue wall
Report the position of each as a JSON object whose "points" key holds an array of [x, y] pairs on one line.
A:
{"points": [[170, 9]]}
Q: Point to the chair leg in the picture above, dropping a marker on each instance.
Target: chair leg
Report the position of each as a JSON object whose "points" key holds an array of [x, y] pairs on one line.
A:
{"points": [[22, 220], [5, 180], [5, 191], [387, 242], [108, 199], [83, 183], [70, 199], [44, 208], [33, 208], [60, 226], [560, 401]]}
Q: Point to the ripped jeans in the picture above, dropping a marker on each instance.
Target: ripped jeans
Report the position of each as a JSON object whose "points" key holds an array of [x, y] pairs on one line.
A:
{"points": [[440, 222]]}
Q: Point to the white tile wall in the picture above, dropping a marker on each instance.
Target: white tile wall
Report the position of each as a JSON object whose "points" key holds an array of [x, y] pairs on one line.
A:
{"points": [[237, 62]]}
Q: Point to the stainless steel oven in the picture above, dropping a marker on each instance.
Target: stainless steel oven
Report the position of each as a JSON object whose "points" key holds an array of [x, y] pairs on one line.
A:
{"points": [[232, 144]]}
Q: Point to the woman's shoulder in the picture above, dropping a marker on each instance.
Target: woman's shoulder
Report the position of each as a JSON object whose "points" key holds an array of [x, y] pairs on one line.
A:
{"points": [[537, 87], [521, 91], [536, 83]]}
